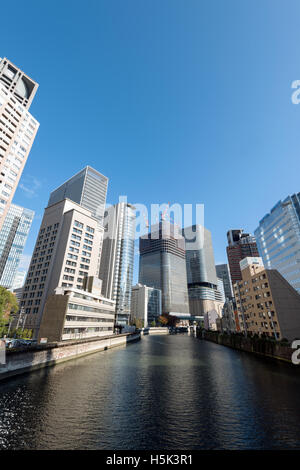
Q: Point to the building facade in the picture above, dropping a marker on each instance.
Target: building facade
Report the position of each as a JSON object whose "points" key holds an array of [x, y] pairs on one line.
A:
{"points": [[88, 188], [145, 304], [117, 260], [19, 280], [278, 239], [163, 266], [205, 290], [72, 313], [13, 236], [267, 304], [18, 129], [66, 251], [240, 245], [223, 273]]}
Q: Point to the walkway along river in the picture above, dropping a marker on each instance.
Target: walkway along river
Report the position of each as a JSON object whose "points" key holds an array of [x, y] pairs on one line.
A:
{"points": [[163, 392]]}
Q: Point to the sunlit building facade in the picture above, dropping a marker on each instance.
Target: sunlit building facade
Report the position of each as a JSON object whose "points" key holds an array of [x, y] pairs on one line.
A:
{"points": [[66, 252], [18, 129], [206, 291], [266, 303], [145, 304], [278, 239], [117, 260], [13, 236], [88, 188]]}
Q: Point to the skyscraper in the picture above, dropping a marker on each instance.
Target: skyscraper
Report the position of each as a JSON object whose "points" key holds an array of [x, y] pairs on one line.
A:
{"points": [[204, 288], [18, 129], [223, 273], [162, 265], [88, 188], [117, 260], [13, 236], [240, 245], [66, 252], [278, 239]]}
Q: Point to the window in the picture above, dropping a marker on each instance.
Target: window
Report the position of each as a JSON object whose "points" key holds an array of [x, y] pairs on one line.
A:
{"points": [[78, 224]]}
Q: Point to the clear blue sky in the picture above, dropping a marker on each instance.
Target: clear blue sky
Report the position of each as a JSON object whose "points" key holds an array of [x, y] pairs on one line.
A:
{"points": [[184, 101]]}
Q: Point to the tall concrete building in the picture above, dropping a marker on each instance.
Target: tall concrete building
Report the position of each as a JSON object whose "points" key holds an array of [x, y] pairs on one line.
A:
{"points": [[67, 251], [18, 129], [163, 266], [278, 239], [223, 273], [205, 290], [88, 188], [13, 236], [240, 245], [266, 303], [145, 304], [117, 260]]}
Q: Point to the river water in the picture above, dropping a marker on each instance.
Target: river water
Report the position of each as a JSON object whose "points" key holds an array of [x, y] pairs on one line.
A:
{"points": [[163, 392]]}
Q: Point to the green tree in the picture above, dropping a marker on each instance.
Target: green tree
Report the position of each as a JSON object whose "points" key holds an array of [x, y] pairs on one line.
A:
{"points": [[8, 306]]}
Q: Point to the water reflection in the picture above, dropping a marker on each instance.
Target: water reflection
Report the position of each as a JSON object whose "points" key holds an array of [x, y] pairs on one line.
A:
{"points": [[170, 392]]}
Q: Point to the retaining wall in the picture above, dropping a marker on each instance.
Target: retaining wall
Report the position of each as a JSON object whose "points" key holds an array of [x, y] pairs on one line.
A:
{"points": [[258, 346], [40, 356]]}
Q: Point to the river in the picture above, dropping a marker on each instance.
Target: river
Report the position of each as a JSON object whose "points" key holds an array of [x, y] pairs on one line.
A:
{"points": [[163, 392]]}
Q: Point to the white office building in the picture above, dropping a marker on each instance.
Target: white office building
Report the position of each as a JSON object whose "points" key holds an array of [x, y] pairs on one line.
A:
{"points": [[145, 304]]}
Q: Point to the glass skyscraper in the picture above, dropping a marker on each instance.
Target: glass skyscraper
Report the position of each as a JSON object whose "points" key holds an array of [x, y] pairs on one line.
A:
{"points": [[223, 273], [88, 188], [278, 239], [206, 291], [13, 236], [117, 260], [162, 265]]}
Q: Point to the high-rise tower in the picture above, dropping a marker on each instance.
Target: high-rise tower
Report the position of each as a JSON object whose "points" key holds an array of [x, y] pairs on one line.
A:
{"points": [[18, 129], [13, 236], [65, 254], [240, 246], [88, 188], [162, 265], [117, 260], [206, 291], [278, 239]]}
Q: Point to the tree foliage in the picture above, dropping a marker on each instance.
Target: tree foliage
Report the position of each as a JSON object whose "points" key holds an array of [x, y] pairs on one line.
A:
{"points": [[8, 304], [168, 320]]}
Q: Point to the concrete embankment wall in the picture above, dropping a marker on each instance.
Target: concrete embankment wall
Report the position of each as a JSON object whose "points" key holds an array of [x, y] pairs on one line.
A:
{"points": [[155, 331], [257, 346], [38, 357]]}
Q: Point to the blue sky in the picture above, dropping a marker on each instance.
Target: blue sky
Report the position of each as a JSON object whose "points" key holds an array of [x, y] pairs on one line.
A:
{"points": [[176, 100]]}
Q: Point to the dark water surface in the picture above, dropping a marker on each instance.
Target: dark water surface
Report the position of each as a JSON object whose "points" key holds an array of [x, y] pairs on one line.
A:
{"points": [[163, 392]]}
